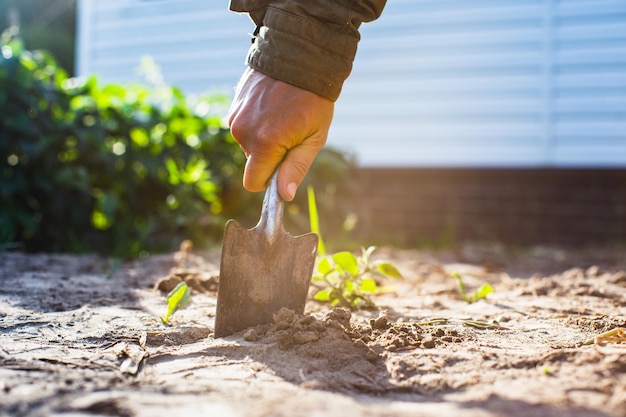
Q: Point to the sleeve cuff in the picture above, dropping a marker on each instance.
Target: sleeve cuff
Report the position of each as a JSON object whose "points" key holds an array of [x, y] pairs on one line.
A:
{"points": [[303, 52]]}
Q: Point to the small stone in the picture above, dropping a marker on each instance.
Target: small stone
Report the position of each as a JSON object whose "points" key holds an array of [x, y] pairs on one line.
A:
{"points": [[284, 314], [502, 319], [195, 283], [428, 343], [251, 335], [340, 315], [167, 284], [379, 323]]}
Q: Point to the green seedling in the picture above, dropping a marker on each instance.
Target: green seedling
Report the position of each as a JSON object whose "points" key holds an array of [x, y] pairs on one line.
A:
{"points": [[545, 370], [178, 298], [344, 279], [481, 293], [314, 220], [349, 281]]}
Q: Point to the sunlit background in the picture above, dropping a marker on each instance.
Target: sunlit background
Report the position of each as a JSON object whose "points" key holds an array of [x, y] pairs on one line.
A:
{"points": [[488, 119], [435, 83]]}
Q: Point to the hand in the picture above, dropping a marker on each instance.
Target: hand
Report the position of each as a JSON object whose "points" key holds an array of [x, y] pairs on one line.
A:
{"points": [[274, 121]]}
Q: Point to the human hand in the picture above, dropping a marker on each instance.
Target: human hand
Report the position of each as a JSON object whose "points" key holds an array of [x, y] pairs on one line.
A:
{"points": [[274, 121]]}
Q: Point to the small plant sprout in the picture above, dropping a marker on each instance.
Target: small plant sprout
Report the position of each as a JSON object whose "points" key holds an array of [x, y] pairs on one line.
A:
{"points": [[344, 279], [481, 293], [178, 298], [348, 281], [314, 220]]}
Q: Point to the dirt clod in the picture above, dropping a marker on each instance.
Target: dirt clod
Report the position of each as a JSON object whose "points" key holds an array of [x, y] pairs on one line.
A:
{"points": [[197, 281], [339, 315]]}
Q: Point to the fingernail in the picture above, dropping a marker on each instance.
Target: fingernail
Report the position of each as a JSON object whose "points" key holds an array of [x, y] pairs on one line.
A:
{"points": [[291, 190]]}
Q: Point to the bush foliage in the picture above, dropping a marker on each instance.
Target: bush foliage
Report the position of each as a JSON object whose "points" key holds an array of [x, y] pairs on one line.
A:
{"points": [[120, 171], [109, 169]]}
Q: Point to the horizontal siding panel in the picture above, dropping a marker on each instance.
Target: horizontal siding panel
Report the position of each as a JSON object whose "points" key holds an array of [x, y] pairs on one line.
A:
{"points": [[589, 119], [467, 86], [198, 45], [593, 106], [120, 42], [166, 24], [459, 155], [157, 9], [175, 58], [435, 82]]}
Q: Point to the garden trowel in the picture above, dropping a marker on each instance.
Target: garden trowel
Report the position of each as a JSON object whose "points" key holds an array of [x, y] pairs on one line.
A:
{"points": [[262, 269]]}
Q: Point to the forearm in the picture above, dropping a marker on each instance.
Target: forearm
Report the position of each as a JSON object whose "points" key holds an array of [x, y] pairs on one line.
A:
{"points": [[309, 44]]}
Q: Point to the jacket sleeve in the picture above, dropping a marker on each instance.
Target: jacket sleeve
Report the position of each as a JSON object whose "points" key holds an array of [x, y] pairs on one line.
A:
{"points": [[308, 43]]}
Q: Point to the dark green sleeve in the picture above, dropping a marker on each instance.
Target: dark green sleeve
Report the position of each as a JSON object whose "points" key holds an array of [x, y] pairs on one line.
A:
{"points": [[308, 43]]}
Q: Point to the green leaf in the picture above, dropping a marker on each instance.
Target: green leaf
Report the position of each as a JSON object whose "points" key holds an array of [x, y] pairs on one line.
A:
{"points": [[314, 220], [482, 292], [462, 290], [99, 220], [139, 136], [323, 295], [368, 285], [194, 171], [347, 261], [324, 266], [172, 169], [389, 270], [176, 299]]}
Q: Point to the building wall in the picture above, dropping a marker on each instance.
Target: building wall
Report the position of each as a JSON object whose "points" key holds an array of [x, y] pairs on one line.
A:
{"points": [[489, 83], [579, 207], [199, 45], [436, 83]]}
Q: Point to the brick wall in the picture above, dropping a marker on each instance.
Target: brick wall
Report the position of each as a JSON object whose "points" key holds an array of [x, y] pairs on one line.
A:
{"points": [[514, 206]]}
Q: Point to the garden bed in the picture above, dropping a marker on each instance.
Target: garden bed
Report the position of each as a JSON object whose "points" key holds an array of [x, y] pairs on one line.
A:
{"points": [[81, 335]]}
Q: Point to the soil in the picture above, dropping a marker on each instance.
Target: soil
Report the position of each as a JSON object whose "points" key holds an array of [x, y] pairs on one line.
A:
{"points": [[82, 336]]}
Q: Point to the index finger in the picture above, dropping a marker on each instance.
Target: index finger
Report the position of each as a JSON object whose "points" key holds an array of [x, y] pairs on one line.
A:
{"points": [[259, 169]]}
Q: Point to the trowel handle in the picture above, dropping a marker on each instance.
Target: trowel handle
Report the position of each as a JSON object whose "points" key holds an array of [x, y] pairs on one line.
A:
{"points": [[271, 221]]}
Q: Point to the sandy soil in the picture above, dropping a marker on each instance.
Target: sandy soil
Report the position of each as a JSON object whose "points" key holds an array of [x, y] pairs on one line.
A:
{"points": [[81, 336]]}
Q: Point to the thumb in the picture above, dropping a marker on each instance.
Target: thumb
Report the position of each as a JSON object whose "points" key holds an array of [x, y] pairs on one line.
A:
{"points": [[294, 168]]}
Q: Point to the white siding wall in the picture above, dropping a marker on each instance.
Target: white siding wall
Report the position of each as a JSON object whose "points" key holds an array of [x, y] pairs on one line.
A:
{"points": [[198, 44], [435, 83]]}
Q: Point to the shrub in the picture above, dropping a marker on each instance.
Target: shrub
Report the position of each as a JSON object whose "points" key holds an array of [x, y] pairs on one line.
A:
{"points": [[109, 169]]}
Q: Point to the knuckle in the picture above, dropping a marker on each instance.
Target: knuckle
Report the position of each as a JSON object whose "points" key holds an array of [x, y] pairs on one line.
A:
{"points": [[300, 167]]}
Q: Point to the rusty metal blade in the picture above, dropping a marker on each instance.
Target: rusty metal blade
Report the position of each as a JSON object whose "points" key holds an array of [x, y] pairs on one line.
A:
{"points": [[262, 269]]}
